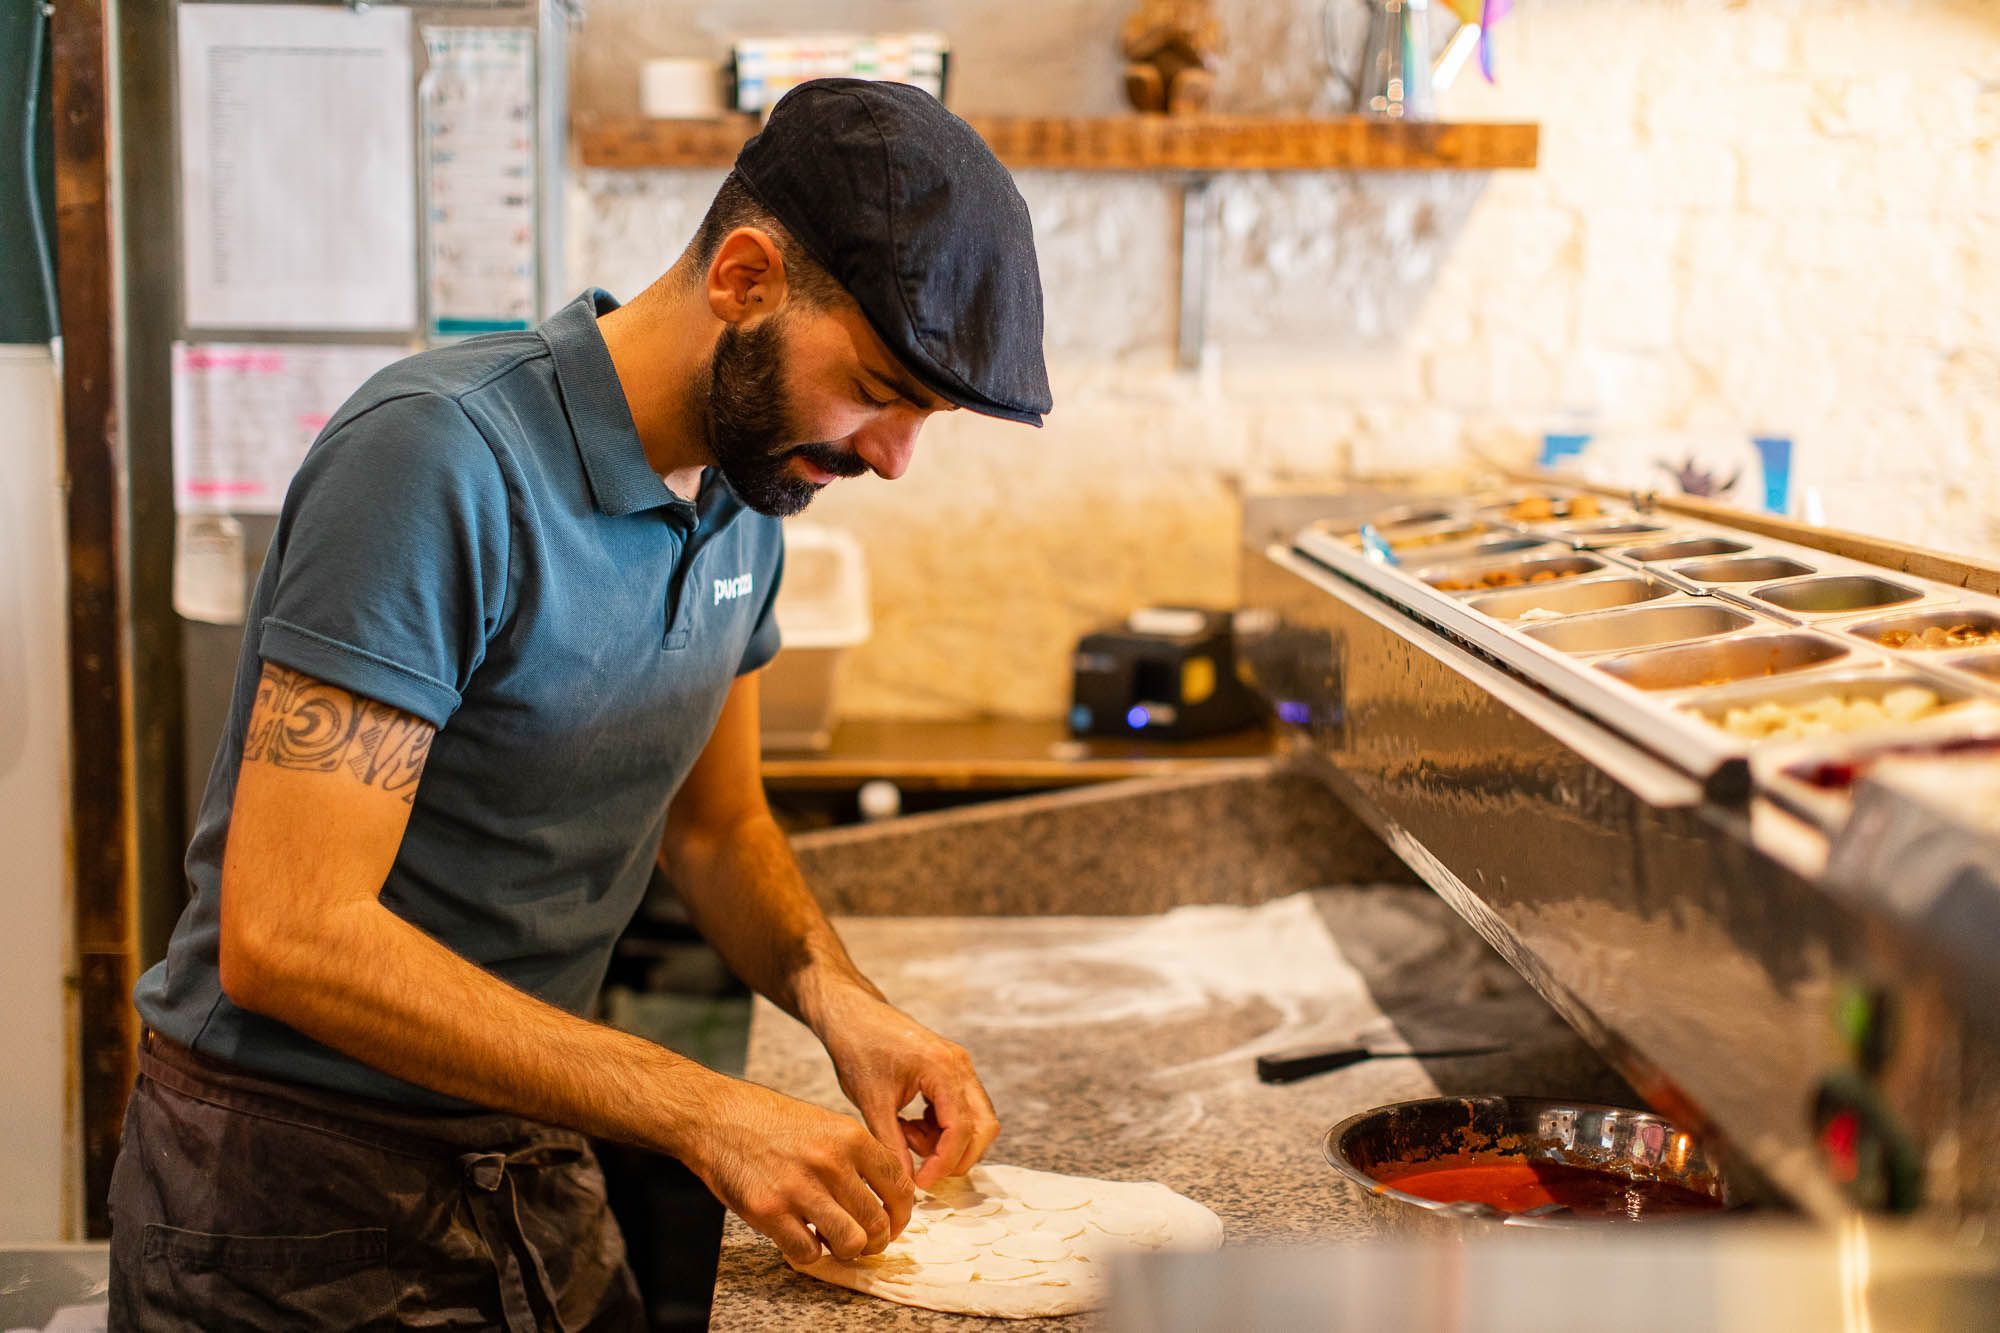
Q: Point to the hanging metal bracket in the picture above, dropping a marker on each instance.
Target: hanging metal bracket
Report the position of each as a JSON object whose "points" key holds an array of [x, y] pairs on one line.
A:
{"points": [[1197, 264]]}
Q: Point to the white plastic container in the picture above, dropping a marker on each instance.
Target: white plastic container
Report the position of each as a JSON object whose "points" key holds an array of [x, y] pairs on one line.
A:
{"points": [[822, 612], [680, 90]]}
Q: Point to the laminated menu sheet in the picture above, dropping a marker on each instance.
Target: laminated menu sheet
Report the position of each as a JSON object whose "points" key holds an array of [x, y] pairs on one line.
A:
{"points": [[478, 99], [298, 176], [245, 413]]}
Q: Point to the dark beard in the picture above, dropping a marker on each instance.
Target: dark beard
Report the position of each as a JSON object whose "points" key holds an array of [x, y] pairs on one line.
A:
{"points": [[750, 423]]}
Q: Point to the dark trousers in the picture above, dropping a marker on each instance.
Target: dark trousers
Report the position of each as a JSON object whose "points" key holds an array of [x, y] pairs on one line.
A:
{"points": [[240, 1202]]}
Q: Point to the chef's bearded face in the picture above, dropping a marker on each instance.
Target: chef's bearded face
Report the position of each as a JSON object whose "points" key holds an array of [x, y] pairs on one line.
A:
{"points": [[753, 427], [801, 389]]}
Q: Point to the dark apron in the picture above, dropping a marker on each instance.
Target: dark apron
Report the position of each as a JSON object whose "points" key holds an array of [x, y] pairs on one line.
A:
{"points": [[239, 1202]]}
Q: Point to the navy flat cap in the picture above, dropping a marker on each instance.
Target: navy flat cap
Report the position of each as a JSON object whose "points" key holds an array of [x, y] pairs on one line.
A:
{"points": [[908, 209]]}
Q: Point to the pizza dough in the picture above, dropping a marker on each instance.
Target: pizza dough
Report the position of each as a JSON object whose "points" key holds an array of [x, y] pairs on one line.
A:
{"points": [[1019, 1244]]}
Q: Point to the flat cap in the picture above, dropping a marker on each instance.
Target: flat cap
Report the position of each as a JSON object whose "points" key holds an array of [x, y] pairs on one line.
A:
{"points": [[908, 209]]}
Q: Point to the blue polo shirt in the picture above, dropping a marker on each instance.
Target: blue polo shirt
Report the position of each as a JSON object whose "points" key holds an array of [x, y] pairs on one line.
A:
{"points": [[477, 538]]}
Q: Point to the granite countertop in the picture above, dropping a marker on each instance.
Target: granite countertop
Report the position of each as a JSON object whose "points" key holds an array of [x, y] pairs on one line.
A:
{"points": [[1120, 1047]]}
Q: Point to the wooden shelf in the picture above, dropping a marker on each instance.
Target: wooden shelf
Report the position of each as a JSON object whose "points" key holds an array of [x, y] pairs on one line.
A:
{"points": [[1127, 143], [996, 755]]}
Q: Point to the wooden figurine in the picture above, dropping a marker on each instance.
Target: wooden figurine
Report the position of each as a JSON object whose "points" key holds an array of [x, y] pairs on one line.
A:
{"points": [[1170, 48]]}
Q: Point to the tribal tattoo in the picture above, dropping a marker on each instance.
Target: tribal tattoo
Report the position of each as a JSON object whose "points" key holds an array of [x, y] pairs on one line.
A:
{"points": [[305, 724]]}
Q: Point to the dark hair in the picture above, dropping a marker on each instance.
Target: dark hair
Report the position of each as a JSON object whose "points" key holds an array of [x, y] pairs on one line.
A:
{"points": [[734, 206]]}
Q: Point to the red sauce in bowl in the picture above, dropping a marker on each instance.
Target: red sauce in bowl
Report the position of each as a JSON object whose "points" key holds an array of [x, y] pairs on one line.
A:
{"points": [[1520, 1186]]}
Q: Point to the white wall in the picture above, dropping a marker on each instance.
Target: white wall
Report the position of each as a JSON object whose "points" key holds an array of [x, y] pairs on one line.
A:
{"points": [[1765, 217], [35, 1159]]}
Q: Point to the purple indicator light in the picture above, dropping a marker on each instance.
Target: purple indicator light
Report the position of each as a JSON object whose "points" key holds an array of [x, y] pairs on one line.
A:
{"points": [[1137, 717], [1294, 712]]}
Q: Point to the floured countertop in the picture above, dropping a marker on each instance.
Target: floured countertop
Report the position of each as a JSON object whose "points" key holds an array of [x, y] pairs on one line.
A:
{"points": [[1121, 1047]]}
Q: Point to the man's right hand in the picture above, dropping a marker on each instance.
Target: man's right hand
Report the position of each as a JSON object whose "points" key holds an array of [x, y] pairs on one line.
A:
{"points": [[781, 1164]]}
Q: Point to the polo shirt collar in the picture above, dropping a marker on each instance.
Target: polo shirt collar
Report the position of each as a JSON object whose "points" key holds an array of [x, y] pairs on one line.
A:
{"points": [[621, 480]]}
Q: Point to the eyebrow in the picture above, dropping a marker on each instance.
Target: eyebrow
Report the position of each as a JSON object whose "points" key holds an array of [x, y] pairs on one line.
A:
{"points": [[902, 387]]}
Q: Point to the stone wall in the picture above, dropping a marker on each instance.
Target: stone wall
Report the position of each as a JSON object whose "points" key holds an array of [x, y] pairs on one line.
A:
{"points": [[1772, 216]]}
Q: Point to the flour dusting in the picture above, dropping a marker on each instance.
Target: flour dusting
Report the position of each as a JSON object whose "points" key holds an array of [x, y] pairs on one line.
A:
{"points": [[1174, 966]]}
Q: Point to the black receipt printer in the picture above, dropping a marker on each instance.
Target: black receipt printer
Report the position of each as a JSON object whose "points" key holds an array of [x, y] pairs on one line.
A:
{"points": [[1165, 673]]}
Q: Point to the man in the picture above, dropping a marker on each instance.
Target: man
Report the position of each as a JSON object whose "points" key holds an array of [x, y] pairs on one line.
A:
{"points": [[503, 652]]}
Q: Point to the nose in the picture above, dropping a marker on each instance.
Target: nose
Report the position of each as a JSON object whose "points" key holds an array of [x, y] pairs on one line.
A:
{"points": [[886, 445]]}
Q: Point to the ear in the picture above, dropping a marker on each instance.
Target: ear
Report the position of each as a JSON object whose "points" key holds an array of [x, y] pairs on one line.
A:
{"points": [[746, 279]]}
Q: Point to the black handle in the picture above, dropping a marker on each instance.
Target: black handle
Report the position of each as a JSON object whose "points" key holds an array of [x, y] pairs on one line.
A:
{"points": [[1290, 1066]]}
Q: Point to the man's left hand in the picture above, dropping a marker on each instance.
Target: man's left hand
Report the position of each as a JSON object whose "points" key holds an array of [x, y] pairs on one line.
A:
{"points": [[885, 1059]]}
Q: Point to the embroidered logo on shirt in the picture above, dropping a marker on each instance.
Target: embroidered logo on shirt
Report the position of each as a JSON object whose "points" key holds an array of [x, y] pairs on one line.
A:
{"points": [[728, 590]]}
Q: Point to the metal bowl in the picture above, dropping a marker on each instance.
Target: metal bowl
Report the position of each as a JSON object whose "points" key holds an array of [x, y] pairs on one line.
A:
{"points": [[1637, 1144], [1686, 548], [1569, 598], [1838, 594], [1612, 631], [1744, 569]]}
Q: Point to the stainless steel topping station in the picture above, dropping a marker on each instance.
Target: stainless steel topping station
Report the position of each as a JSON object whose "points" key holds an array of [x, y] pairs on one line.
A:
{"points": [[1564, 742]]}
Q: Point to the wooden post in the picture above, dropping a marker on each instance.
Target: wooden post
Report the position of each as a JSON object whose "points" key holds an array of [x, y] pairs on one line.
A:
{"points": [[101, 823]]}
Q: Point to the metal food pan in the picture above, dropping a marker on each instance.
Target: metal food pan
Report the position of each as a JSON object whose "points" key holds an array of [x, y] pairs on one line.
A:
{"points": [[1561, 508], [1414, 515], [1838, 594], [1701, 665], [1571, 597], [1615, 531], [1643, 627], [1712, 705], [1499, 497], [1488, 575], [1916, 622], [1502, 542], [1745, 569], [1418, 536], [1403, 515], [1979, 664], [1685, 547]]}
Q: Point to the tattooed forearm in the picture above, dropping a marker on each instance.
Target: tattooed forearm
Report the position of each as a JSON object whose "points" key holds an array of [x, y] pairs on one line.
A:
{"points": [[306, 724]]}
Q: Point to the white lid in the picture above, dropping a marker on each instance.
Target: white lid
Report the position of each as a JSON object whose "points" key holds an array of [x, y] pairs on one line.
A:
{"points": [[823, 601], [1167, 621]]}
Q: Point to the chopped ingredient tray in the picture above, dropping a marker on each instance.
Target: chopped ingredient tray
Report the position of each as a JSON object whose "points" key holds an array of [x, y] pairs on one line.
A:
{"points": [[1703, 644]]}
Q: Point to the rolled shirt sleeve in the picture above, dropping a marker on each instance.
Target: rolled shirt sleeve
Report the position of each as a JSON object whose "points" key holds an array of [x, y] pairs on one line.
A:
{"points": [[391, 556]]}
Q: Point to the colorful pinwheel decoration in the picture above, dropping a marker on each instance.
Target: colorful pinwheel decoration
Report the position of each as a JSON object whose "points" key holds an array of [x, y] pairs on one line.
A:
{"points": [[1483, 14]]}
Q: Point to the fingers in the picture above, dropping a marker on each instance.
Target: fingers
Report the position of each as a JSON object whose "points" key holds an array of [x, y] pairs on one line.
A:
{"points": [[951, 1149], [922, 1134], [968, 1124], [887, 1129], [848, 1221], [856, 1195], [800, 1246], [986, 1122], [888, 1175], [838, 1230], [863, 1195]]}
